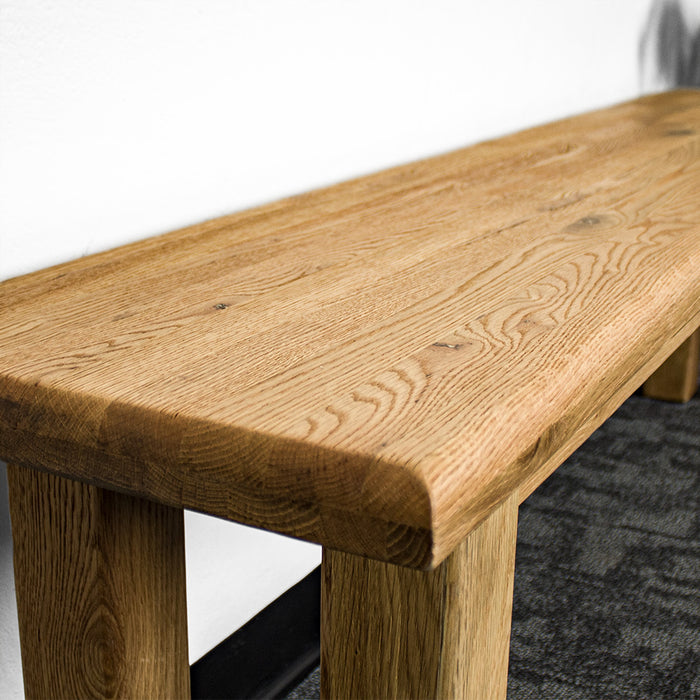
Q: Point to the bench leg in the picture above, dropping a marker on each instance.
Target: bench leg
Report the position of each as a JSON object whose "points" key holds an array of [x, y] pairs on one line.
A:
{"points": [[677, 378], [391, 632], [100, 580]]}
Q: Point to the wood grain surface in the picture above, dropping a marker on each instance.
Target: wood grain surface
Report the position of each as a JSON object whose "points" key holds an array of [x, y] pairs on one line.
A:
{"points": [[394, 633], [376, 365], [100, 582], [677, 378]]}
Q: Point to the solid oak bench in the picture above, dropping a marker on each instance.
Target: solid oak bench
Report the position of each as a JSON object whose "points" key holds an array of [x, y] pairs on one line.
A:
{"points": [[387, 367]]}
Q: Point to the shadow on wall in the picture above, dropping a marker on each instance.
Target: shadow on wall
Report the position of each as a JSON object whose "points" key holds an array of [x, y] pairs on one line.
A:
{"points": [[669, 48]]}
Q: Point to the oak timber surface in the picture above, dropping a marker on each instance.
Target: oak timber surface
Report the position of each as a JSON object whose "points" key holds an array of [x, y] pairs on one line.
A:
{"points": [[442, 634], [100, 581], [677, 378], [375, 365]]}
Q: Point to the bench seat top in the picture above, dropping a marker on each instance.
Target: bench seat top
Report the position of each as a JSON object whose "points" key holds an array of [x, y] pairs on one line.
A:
{"points": [[378, 364]]}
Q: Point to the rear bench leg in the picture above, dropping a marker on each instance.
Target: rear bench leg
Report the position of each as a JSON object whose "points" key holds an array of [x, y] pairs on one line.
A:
{"points": [[677, 378], [100, 579], [391, 632]]}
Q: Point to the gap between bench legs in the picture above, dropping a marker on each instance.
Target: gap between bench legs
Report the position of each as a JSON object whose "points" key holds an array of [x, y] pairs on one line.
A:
{"points": [[100, 581], [391, 632]]}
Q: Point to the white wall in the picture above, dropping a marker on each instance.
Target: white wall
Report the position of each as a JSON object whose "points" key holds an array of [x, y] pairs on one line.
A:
{"points": [[119, 120]]}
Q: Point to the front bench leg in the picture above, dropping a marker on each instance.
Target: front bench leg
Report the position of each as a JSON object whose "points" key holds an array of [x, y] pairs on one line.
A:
{"points": [[391, 632], [677, 378], [100, 580]]}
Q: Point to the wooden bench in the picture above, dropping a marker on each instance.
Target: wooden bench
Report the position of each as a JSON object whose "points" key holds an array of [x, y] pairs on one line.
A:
{"points": [[387, 367]]}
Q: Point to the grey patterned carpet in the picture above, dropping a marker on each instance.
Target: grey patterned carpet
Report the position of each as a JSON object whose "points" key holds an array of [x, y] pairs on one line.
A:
{"points": [[607, 582]]}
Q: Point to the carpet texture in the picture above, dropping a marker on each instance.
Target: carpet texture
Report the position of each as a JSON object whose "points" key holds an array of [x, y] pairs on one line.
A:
{"points": [[607, 576]]}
